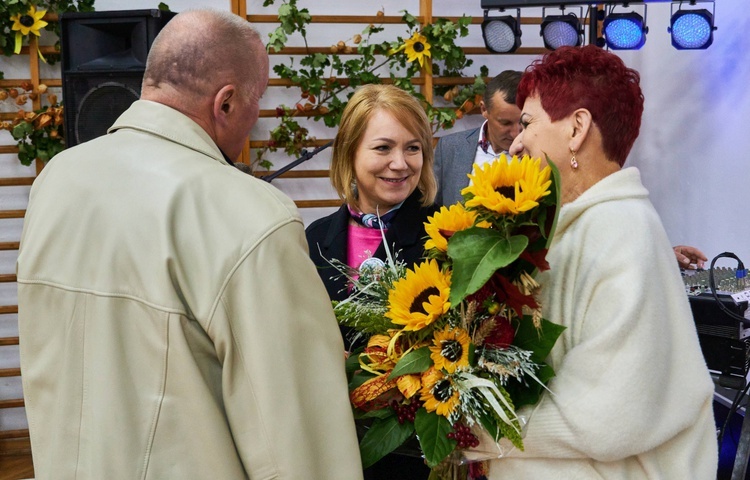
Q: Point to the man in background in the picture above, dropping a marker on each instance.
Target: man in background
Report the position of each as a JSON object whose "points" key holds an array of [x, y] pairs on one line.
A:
{"points": [[171, 322], [457, 152]]}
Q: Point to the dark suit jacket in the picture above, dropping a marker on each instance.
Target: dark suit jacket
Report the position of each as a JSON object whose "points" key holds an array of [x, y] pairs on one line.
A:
{"points": [[328, 239], [454, 156]]}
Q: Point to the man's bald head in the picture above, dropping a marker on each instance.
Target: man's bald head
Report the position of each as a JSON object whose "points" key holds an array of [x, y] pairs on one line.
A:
{"points": [[198, 51], [212, 67]]}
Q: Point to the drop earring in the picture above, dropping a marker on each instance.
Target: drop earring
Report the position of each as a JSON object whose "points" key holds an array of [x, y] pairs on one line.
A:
{"points": [[573, 161]]}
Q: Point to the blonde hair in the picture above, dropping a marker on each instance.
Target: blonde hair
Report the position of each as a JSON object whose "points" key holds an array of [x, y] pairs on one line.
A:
{"points": [[407, 110]]}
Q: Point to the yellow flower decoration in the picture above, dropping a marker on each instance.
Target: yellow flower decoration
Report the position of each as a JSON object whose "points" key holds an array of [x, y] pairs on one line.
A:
{"points": [[438, 393], [409, 384], [508, 187], [419, 298], [375, 358], [450, 349], [24, 24], [446, 222], [415, 48]]}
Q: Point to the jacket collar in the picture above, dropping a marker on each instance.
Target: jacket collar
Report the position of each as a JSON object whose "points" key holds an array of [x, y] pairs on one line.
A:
{"points": [[166, 122]]}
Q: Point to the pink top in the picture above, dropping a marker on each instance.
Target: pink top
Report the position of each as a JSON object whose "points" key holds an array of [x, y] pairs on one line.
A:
{"points": [[363, 242]]}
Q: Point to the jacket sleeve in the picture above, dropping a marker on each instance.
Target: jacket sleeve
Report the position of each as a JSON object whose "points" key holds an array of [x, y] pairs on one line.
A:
{"points": [[284, 384]]}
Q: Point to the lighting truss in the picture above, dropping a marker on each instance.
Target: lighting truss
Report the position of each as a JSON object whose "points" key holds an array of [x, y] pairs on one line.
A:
{"points": [[690, 29]]}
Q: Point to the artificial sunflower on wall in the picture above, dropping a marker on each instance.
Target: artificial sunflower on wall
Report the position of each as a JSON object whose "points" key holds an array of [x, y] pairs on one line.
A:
{"points": [[25, 24], [21, 18], [416, 48], [39, 133], [327, 79]]}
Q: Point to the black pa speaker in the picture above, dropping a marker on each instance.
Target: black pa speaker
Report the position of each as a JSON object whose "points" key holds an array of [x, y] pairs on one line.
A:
{"points": [[103, 60]]}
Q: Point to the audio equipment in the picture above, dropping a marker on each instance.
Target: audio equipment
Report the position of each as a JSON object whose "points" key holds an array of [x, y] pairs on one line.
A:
{"points": [[718, 300], [103, 61]]}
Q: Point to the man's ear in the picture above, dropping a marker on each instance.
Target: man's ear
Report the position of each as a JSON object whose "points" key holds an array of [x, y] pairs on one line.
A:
{"points": [[483, 109], [224, 102], [581, 123]]}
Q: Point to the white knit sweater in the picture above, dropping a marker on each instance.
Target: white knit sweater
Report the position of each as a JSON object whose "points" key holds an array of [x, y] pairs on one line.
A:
{"points": [[632, 398]]}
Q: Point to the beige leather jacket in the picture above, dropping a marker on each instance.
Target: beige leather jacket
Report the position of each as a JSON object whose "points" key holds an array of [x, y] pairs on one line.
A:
{"points": [[172, 325]]}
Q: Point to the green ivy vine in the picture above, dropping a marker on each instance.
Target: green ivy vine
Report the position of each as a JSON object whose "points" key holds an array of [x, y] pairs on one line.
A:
{"points": [[326, 81]]}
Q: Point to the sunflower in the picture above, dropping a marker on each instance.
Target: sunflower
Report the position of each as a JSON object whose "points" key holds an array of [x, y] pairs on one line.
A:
{"points": [[419, 298], [449, 220], [438, 393], [450, 349], [30, 22], [508, 187], [416, 48]]}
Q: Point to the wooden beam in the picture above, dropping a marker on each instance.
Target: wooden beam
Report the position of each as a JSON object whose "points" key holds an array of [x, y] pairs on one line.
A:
{"points": [[5, 341], [10, 372]]}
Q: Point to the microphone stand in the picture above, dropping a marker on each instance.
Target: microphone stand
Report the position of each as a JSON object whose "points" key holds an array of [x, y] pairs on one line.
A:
{"points": [[305, 157]]}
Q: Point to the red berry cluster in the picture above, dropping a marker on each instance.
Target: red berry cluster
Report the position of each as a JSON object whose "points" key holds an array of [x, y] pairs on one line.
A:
{"points": [[405, 411], [462, 434]]}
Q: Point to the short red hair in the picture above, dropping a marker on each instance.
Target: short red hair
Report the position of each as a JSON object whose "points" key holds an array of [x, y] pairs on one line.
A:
{"points": [[592, 78]]}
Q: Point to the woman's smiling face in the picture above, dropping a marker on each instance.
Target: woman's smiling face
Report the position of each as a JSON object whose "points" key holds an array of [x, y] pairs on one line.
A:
{"points": [[388, 163]]}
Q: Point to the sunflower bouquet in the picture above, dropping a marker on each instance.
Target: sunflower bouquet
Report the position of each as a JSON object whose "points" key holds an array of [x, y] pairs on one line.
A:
{"points": [[454, 345]]}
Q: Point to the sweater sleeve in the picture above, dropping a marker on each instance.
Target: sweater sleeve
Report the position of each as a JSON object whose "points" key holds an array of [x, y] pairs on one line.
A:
{"points": [[284, 383], [630, 375]]}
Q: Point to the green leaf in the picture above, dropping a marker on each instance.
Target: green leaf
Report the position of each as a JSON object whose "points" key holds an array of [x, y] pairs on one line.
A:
{"points": [[380, 413], [22, 130], [416, 361], [163, 7], [42, 154], [352, 363], [477, 253], [382, 438], [432, 430], [490, 424], [539, 342], [529, 393]]}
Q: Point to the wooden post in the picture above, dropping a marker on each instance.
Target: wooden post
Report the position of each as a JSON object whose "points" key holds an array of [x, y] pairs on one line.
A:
{"points": [[425, 11], [36, 104]]}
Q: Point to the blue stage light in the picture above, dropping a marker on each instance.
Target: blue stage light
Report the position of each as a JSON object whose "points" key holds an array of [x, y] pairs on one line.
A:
{"points": [[624, 31], [692, 29], [561, 30]]}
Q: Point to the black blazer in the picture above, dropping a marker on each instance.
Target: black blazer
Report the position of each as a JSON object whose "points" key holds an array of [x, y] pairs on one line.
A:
{"points": [[328, 239]]}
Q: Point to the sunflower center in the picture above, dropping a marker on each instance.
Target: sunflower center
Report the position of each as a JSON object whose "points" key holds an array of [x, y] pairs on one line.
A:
{"points": [[452, 350], [416, 305], [26, 20], [442, 390], [508, 191], [418, 47]]}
